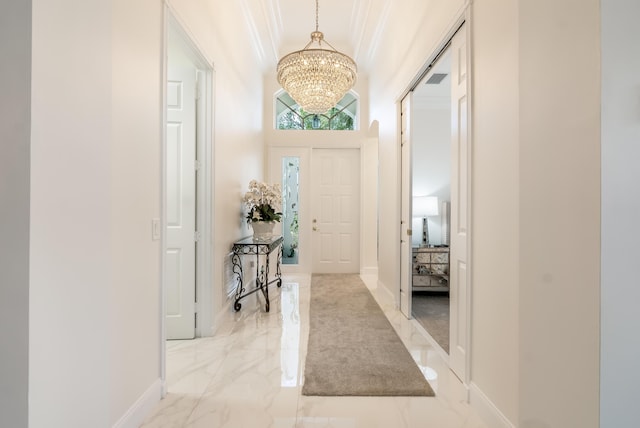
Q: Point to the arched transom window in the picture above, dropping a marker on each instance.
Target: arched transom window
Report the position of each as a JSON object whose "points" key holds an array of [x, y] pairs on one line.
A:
{"points": [[289, 115]]}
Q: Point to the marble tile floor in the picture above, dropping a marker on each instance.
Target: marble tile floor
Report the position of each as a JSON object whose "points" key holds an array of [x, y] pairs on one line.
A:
{"points": [[250, 374]]}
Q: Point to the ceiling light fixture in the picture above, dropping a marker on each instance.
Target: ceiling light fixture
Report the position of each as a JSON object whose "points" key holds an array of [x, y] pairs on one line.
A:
{"points": [[317, 78]]}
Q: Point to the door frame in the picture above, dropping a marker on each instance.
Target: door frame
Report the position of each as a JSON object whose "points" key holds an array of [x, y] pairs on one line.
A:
{"points": [[367, 199], [204, 183], [463, 19]]}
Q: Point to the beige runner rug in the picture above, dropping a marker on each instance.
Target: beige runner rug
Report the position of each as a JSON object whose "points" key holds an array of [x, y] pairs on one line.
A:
{"points": [[353, 348]]}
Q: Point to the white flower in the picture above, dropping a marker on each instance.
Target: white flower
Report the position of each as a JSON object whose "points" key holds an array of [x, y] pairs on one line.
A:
{"points": [[263, 201]]}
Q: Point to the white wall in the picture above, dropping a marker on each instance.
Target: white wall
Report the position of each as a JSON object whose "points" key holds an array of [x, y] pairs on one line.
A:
{"points": [[15, 124], [369, 207], [95, 186], [535, 192], [495, 194], [620, 293], [70, 298], [94, 321], [559, 213], [135, 148]]}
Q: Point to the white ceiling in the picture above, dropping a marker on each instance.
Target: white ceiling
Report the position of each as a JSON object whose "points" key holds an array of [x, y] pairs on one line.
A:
{"points": [[350, 26]]}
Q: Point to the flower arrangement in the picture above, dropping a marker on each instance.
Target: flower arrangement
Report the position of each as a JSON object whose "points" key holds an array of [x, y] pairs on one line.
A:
{"points": [[263, 200]]}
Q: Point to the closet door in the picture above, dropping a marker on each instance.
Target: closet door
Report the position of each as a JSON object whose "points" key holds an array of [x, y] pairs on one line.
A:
{"points": [[405, 206], [459, 249]]}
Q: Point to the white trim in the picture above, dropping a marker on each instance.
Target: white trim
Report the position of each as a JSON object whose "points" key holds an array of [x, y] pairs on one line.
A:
{"points": [[470, 232], [205, 196], [485, 408], [163, 198], [372, 270], [172, 13], [142, 408], [392, 298]]}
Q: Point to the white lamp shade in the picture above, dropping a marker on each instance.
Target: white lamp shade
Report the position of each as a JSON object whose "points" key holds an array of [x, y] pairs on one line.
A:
{"points": [[424, 206]]}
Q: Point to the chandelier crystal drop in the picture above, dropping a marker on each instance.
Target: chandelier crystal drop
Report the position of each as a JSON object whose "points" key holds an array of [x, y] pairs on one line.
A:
{"points": [[317, 78]]}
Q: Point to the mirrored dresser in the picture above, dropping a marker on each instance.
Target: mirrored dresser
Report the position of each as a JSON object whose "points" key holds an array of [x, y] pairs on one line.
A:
{"points": [[430, 269]]}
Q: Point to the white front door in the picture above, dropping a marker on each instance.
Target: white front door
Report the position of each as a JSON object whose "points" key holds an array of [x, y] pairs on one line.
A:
{"points": [[180, 186], [459, 305], [405, 207], [335, 210]]}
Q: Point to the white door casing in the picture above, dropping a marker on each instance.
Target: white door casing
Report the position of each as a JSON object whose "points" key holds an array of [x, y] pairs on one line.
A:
{"points": [[460, 210], [405, 206], [335, 210], [180, 185]]}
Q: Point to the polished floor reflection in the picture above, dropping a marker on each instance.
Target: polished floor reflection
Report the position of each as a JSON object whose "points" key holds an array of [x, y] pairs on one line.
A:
{"points": [[251, 373]]}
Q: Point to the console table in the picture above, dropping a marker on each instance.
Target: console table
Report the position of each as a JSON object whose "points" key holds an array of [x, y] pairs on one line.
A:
{"points": [[258, 247]]}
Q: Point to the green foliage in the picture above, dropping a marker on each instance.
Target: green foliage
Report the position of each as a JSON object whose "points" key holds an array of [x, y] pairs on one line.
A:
{"points": [[263, 212], [334, 119]]}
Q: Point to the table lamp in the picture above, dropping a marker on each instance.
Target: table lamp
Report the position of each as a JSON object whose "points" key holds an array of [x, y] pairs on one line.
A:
{"points": [[425, 206]]}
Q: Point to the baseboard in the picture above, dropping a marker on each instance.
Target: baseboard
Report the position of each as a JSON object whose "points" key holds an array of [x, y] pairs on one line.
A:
{"points": [[488, 412], [143, 406], [373, 270], [382, 286]]}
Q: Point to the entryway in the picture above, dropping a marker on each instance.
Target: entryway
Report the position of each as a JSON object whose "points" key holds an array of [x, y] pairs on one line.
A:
{"points": [[321, 221], [187, 187], [435, 206]]}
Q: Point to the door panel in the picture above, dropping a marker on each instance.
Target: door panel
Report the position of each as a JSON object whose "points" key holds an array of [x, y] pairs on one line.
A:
{"points": [[335, 210], [180, 185], [459, 284], [405, 206]]}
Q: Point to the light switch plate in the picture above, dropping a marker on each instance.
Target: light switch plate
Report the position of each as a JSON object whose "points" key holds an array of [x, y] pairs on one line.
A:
{"points": [[155, 229]]}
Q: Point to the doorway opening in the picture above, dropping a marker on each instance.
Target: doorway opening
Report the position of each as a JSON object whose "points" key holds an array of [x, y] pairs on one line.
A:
{"points": [[321, 208], [431, 199], [435, 199], [187, 188]]}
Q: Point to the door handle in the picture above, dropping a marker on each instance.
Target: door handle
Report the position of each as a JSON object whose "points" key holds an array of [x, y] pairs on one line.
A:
{"points": [[315, 228]]}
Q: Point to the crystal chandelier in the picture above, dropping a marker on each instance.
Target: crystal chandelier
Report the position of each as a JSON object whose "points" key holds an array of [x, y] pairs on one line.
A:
{"points": [[314, 77]]}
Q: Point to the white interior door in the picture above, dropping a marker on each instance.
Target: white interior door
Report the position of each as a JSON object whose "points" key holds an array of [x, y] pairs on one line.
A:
{"points": [[335, 210], [405, 207], [459, 251], [180, 185]]}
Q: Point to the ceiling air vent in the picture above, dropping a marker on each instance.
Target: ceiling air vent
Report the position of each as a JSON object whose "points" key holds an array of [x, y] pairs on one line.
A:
{"points": [[435, 79]]}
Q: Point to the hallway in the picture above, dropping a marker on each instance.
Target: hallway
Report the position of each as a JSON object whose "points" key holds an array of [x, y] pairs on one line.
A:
{"points": [[251, 373]]}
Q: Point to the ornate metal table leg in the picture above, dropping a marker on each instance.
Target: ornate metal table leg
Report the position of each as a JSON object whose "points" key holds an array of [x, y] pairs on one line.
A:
{"points": [[278, 262], [266, 282], [237, 269]]}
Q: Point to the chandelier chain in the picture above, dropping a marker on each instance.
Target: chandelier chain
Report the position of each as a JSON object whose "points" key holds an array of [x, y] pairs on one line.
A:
{"points": [[317, 78]]}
